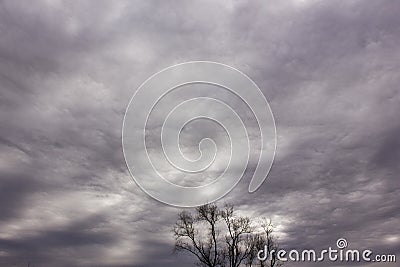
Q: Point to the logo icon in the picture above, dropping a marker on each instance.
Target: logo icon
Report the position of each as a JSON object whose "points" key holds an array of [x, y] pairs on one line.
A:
{"points": [[176, 107]]}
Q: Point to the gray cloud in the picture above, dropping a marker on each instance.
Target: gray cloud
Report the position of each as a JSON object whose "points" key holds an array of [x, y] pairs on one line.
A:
{"points": [[67, 70]]}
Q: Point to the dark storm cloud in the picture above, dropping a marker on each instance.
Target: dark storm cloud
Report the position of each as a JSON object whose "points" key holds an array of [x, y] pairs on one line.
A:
{"points": [[335, 114], [15, 188], [67, 71]]}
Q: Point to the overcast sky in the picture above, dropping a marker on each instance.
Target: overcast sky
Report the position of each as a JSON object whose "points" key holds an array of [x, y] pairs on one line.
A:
{"points": [[331, 73]]}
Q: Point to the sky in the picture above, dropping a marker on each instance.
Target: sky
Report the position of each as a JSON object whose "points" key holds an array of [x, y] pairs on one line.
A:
{"points": [[329, 69]]}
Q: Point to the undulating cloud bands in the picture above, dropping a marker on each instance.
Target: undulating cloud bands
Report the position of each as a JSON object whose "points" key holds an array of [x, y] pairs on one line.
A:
{"points": [[329, 69]]}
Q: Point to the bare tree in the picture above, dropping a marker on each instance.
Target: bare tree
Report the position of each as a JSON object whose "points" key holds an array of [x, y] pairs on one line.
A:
{"points": [[264, 240], [220, 237]]}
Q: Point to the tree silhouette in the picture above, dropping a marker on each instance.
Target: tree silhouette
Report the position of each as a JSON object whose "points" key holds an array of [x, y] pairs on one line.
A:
{"points": [[219, 237]]}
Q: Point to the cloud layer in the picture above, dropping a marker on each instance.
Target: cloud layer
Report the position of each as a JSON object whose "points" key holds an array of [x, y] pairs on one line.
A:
{"points": [[330, 71]]}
